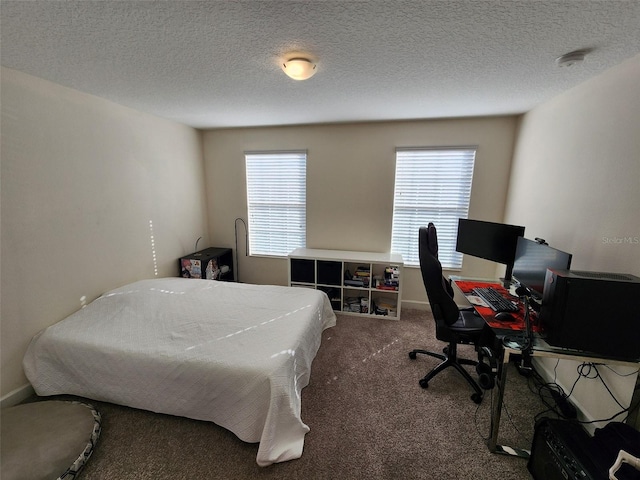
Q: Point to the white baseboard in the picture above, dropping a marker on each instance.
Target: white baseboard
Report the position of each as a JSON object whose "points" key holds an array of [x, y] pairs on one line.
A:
{"points": [[416, 305], [17, 396]]}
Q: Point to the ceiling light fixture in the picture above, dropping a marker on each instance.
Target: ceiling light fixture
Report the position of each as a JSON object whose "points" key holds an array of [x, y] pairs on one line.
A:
{"points": [[571, 58], [299, 68]]}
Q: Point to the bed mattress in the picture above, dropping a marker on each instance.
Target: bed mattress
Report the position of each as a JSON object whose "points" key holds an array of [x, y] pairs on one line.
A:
{"points": [[234, 354]]}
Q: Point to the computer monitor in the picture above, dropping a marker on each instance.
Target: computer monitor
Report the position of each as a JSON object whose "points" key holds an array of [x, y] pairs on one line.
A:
{"points": [[489, 240], [532, 260]]}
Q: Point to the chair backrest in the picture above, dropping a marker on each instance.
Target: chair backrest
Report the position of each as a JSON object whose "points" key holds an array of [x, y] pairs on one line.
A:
{"points": [[439, 291]]}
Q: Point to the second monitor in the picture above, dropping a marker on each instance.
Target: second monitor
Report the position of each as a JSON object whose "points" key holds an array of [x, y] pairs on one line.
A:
{"points": [[489, 240], [532, 260]]}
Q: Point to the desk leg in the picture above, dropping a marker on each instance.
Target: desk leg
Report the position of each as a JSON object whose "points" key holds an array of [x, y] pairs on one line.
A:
{"points": [[496, 408], [496, 412]]}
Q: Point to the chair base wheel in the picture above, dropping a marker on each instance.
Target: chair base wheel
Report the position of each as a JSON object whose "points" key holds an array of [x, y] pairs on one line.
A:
{"points": [[424, 383], [477, 398], [412, 355]]}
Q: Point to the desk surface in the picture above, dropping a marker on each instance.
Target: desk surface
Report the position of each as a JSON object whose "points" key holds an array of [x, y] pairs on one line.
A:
{"points": [[467, 285]]}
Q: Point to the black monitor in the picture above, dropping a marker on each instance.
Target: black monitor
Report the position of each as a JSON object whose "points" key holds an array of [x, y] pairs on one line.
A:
{"points": [[489, 240], [531, 263]]}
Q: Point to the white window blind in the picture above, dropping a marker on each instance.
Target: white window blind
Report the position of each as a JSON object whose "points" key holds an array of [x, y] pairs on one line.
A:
{"points": [[276, 200], [432, 185]]}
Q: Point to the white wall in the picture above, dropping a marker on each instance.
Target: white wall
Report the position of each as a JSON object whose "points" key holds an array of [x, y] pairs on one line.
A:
{"points": [[85, 185], [350, 184], [576, 183]]}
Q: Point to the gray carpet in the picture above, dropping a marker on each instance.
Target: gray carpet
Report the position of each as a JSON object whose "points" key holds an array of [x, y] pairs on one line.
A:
{"points": [[368, 417]]}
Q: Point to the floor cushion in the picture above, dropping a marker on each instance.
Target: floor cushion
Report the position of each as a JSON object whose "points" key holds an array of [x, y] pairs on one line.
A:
{"points": [[47, 440]]}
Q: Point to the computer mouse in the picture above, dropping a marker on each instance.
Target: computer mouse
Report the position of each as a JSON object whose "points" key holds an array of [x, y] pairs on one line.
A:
{"points": [[504, 317]]}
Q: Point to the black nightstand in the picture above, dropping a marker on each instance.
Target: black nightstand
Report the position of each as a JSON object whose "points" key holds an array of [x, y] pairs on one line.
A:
{"points": [[210, 264]]}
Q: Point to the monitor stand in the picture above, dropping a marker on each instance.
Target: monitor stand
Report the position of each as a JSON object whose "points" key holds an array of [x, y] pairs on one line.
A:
{"points": [[524, 341]]}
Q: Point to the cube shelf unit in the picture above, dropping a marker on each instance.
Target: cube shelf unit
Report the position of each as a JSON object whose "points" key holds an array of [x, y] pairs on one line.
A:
{"points": [[325, 270]]}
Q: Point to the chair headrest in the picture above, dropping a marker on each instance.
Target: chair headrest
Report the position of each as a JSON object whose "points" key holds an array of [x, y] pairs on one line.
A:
{"points": [[432, 239]]}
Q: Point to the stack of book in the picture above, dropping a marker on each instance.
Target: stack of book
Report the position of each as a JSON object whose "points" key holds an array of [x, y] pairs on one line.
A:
{"points": [[391, 280], [361, 278]]}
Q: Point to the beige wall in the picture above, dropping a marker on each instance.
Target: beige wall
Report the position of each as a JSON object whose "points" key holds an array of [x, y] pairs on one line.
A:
{"points": [[350, 184], [576, 182], [85, 185]]}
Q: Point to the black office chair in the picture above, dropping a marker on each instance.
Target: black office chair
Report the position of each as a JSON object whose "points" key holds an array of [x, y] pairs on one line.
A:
{"points": [[453, 325]]}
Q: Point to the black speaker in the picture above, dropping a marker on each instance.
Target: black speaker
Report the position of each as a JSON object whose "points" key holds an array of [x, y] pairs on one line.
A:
{"points": [[562, 450]]}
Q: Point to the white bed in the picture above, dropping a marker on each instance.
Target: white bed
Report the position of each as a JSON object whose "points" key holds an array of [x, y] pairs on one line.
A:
{"points": [[234, 354]]}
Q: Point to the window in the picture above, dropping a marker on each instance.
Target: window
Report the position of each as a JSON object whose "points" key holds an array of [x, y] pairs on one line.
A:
{"points": [[276, 200], [432, 185]]}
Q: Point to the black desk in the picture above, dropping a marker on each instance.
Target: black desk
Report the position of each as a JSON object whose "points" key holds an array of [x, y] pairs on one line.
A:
{"points": [[540, 348]]}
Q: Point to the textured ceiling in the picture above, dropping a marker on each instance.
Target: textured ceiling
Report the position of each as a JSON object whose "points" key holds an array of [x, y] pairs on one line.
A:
{"points": [[216, 63]]}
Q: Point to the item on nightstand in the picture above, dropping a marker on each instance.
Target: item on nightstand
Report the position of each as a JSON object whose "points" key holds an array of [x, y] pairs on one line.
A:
{"points": [[210, 264]]}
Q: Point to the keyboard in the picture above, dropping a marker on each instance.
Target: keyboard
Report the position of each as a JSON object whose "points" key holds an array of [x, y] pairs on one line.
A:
{"points": [[495, 300]]}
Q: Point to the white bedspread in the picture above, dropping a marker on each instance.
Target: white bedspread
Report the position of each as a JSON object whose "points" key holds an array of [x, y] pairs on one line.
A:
{"points": [[234, 354]]}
